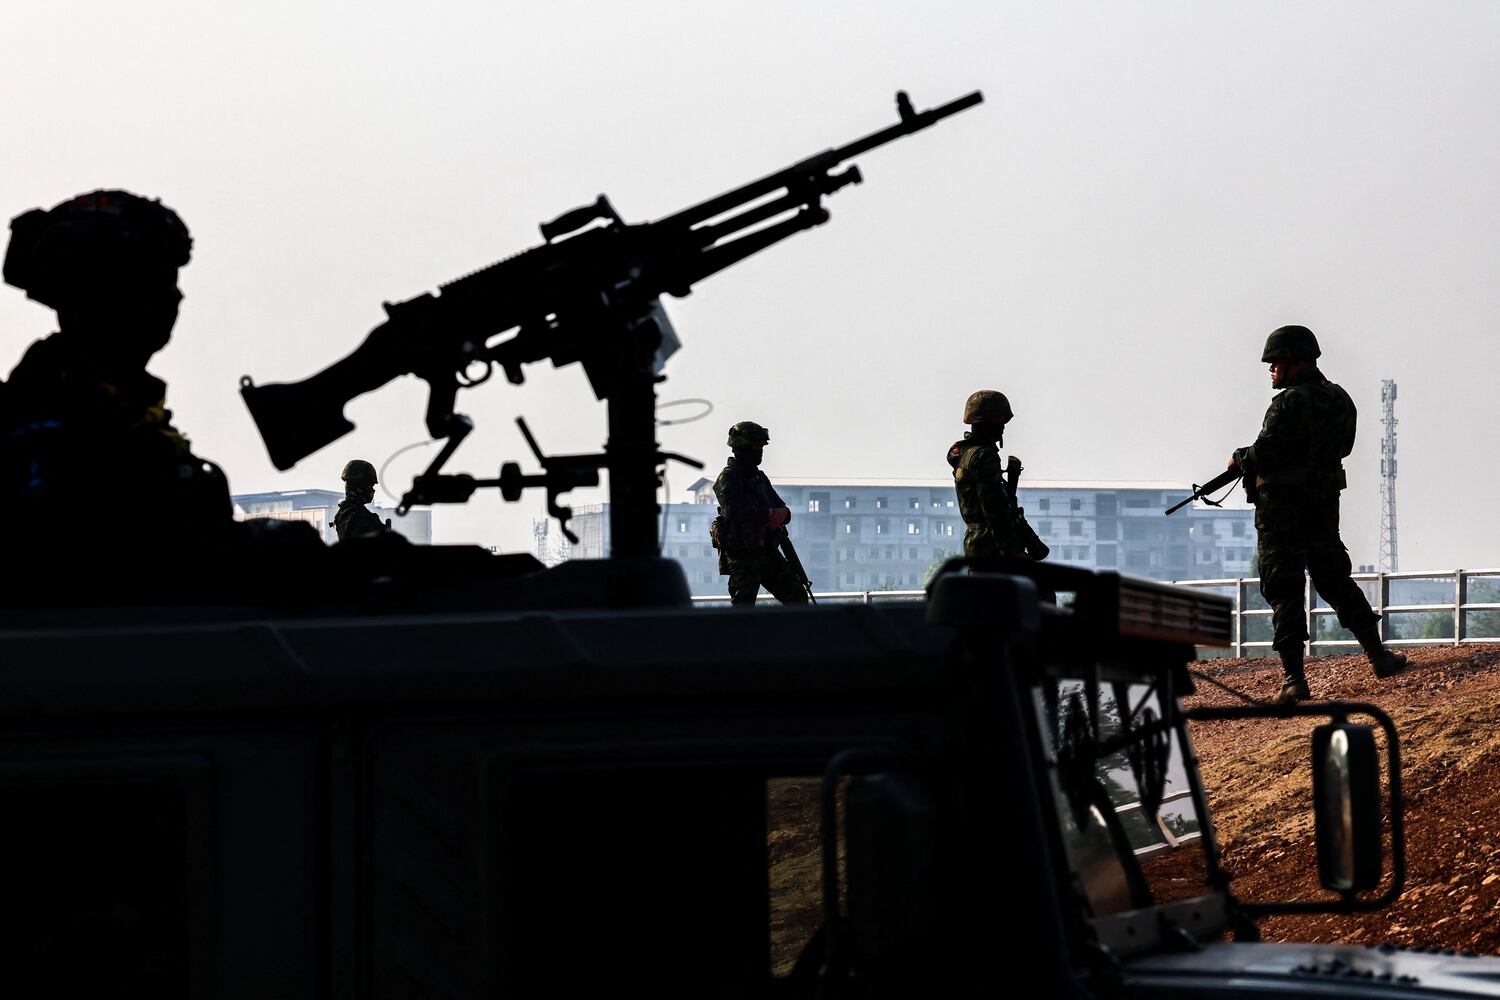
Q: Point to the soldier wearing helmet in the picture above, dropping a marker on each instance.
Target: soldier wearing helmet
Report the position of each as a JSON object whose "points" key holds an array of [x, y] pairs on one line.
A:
{"points": [[80, 413], [752, 518], [1293, 474], [354, 518], [996, 527]]}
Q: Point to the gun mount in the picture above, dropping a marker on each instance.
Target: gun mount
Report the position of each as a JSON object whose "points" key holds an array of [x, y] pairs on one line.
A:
{"points": [[560, 474]]}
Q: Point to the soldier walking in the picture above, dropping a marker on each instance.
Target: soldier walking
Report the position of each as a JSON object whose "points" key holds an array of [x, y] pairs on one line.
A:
{"points": [[995, 524], [1293, 474], [354, 518], [752, 519]]}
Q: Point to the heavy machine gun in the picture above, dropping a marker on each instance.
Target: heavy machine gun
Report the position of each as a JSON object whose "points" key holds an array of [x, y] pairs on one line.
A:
{"points": [[590, 294]]}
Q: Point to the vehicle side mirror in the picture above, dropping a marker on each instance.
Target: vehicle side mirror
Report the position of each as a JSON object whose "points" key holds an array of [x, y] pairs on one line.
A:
{"points": [[1346, 807]]}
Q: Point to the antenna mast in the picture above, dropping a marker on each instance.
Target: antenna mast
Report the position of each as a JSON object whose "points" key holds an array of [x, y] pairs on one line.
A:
{"points": [[1388, 560]]}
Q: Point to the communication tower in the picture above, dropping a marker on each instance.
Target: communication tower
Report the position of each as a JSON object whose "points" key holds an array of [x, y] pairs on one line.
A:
{"points": [[1388, 561], [539, 532]]}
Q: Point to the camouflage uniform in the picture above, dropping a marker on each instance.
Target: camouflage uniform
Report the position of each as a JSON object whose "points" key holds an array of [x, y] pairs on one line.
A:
{"points": [[1294, 475], [994, 521], [354, 519], [81, 417], [70, 436], [996, 527], [748, 545]]}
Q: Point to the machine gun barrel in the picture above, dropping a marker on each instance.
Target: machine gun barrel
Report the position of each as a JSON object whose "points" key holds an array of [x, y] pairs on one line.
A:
{"points": [[911, 121]]}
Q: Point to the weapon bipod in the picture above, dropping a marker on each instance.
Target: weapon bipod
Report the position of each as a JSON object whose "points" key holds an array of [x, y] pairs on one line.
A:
{"points": [[560, 473]]}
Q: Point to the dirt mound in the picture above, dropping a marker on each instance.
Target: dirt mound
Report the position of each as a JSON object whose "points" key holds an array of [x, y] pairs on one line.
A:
{"points": [[1446, 707]]}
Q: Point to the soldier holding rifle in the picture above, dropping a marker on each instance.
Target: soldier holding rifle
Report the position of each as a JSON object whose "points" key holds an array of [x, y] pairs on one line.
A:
{"points": [[995, 525], [1293, 474], [751, 527]]}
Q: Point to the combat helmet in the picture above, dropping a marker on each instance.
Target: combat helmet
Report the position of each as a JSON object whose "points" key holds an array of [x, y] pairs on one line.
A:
{"points": [[986, 405], [90, 237], [360, 471], [1291, 343], [748, 434]]}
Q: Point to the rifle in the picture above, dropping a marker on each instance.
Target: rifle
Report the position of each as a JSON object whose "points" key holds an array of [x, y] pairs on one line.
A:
{"points": [[1224, 478], [788, 550], [589, 294], [1035, 547]]}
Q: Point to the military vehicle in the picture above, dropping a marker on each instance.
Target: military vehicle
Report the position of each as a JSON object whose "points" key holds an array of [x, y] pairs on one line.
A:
{"points": [[469, 776]]}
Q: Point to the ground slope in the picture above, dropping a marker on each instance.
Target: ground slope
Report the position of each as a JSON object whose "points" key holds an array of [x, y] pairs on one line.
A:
{"points": [[1446, 708]]}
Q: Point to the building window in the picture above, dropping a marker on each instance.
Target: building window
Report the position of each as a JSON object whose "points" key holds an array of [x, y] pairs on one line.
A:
{"points": [[848, 503], [937, 503], [1075, 504], [879, 526], [880, 503], [814, 506], [1107, 556], [1238, 529], [913, 503], [913, 527], [1044, 527], [682, 527], [848, 527], [1075, 528], [1044, 504], [818, 502], [950, 503]]}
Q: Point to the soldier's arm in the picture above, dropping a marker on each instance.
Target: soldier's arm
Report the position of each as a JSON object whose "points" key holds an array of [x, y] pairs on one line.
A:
{"points": [[776, 501], [995, 502], [1282, 442]]}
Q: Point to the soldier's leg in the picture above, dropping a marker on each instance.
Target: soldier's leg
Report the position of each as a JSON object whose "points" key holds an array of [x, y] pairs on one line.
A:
{"points": [[744, 578], [1282, 564], [1328, 564], [779, 578]]}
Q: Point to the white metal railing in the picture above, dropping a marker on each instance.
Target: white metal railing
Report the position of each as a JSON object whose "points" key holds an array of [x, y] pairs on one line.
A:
{"points": [[1169, 840], [1459, 608], [839, 597]]}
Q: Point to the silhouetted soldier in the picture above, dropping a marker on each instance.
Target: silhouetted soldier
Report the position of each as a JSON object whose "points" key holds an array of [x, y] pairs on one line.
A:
{"points": [[80, 412], [1293, 474], [354, 518], [751, 519], [995, 525], [80, 415]]}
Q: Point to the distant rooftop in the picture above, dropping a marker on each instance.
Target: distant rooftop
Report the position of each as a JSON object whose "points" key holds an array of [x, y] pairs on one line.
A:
{"points": [[946, 482]]}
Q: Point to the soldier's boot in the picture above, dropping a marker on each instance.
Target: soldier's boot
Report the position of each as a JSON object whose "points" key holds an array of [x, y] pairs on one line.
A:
{"points": [[1294, 684], [1386, 662]]}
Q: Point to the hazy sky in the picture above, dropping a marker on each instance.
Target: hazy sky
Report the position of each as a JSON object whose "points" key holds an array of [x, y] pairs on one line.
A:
{"points": [[1148, 190]]}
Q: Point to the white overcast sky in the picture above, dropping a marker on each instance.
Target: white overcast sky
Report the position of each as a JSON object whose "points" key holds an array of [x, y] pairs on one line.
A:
{"points": [[1148, 190]]}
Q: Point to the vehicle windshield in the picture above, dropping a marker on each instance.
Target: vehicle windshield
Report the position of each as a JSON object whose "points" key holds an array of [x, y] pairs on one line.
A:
{"points": [[1125, 808]]}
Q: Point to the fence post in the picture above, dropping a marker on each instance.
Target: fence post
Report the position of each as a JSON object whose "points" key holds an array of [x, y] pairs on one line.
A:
{"points": [[1312, 619], [865, 598], [1383, 595], [1460, 598], [1239, 618]]}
